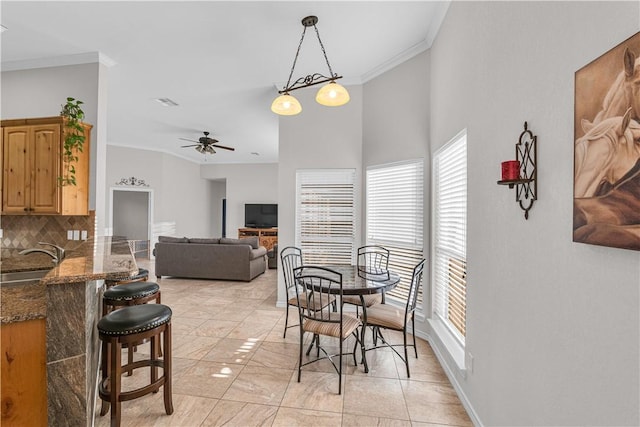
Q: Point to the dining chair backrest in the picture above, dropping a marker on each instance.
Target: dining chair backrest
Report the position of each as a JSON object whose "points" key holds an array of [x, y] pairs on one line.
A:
{"points": [[290, 258], [414, 288], [322, 286], [373, 257]]}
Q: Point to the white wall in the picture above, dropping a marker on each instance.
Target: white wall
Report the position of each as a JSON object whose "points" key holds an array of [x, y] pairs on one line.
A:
{"points": [[319, 137], [180, 194], [396, 127], [245, 183], [553, 325]]}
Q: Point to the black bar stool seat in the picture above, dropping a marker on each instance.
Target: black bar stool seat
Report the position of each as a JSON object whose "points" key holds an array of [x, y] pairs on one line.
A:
{"points": [[123, 328]]}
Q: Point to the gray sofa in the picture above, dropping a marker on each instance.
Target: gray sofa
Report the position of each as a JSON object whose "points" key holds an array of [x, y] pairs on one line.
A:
{"points": [[220, 259]]}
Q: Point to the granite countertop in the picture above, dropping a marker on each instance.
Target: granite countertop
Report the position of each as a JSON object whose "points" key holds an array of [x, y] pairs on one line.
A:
{"points": [[96, 259]]}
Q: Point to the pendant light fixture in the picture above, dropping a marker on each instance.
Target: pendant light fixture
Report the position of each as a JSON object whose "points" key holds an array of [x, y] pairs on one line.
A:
{"points": [[332, 94]]}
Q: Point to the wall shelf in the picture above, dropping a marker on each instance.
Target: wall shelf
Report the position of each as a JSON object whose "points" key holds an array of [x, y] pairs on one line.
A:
{"points": [[526, 186]]}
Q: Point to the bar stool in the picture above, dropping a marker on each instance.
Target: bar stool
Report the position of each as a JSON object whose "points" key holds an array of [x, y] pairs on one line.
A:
{"points": [[127, 295], [141, 276], [124, 327]]}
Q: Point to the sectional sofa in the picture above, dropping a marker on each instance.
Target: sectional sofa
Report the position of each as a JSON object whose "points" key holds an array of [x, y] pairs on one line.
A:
{"points": [[210, 258]]}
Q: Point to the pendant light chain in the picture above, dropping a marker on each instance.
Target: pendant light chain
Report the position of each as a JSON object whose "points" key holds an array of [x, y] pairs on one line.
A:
{"points": [[323, 51], [304, 30]]}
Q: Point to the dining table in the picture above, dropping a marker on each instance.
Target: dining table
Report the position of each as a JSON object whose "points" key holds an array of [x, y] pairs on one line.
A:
{"points": [[361, 281]]}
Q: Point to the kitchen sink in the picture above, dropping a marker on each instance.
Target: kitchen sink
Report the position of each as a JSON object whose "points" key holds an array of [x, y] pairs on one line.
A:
{"points": [[22, 277]]}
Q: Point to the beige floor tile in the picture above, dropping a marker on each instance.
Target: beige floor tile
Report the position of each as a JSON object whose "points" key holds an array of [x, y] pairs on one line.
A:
{"points": [[289, 417], [276, 355], [184, 325], [147, 411], [363, 396], [240, 414], [366, 421], [192, 347], [259, 385], [316, 390], [424, 368], [215, 328], [233, 351], [206, 379], [434, 403]]}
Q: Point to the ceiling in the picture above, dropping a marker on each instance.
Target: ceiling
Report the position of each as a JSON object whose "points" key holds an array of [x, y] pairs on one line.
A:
{"points": [[220, 61]]}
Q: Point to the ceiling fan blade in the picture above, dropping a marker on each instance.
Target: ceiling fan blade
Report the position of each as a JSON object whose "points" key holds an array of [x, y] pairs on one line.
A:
{"points": [[190, 140], [224, 148], [193, 145]]}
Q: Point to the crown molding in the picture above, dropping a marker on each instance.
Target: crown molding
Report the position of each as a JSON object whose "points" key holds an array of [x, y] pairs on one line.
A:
{"points": [[59, 61], [437, 18]]}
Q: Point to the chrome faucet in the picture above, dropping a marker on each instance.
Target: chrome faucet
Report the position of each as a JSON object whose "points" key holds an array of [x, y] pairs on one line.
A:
{"points": [[57, 255]]}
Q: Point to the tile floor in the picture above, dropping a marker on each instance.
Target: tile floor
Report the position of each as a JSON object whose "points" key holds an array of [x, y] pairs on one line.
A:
{"points": [[232, 367]]}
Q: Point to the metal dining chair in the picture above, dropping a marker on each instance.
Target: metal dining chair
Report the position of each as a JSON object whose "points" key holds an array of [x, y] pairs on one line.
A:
{"points": [[320, 286], [291, 258], [370, 258], [385, 316]]}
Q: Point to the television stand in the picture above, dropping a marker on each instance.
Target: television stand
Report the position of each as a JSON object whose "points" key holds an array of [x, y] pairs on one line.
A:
{"points": [[267, 237]]}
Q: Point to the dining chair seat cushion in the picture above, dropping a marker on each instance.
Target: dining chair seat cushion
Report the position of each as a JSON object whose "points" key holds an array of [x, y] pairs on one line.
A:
{"points": [[349, 324], [369, 300], [316, 305], [385, 315]]}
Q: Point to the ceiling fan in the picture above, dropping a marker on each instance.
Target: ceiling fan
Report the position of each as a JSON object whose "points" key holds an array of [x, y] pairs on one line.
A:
{"points": [[205, 144]]}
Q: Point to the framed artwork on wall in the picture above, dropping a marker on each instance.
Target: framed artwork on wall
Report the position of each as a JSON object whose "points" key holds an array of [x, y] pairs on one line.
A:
{"points": [[606, 180]]}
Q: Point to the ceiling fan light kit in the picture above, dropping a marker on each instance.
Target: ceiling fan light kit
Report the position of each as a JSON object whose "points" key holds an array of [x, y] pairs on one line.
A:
{"points": [[331, 95], [205, 145]]}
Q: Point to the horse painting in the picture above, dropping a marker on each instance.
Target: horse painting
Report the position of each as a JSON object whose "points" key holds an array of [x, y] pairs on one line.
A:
{"points": [[606, 152], [624, 93], [606, 191]]}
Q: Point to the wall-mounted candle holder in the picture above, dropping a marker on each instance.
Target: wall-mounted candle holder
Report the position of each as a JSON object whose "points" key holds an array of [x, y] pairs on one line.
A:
{"points": [[525, 181]]}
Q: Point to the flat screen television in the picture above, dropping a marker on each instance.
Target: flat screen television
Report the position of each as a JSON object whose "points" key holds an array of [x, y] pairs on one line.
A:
{"points": [[260, 215]]}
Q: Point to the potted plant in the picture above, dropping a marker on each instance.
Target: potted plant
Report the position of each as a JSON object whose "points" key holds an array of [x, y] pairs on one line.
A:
{"points": [[74, 139]]}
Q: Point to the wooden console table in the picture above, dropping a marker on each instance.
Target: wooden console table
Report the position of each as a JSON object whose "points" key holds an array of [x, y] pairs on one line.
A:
{"points": [[267, 237]]}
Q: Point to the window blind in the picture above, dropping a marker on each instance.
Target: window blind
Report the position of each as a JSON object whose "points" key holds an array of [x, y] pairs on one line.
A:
{"points": [[325, 215], [450, 235], [394, 198]]}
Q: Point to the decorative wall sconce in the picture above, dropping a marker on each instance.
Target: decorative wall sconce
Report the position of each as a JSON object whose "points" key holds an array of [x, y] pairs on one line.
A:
{"points": [[522, 172], [133, 181]]}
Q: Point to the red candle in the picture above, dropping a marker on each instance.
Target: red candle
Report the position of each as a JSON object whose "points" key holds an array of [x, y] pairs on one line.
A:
{"points": [[510, 170]]}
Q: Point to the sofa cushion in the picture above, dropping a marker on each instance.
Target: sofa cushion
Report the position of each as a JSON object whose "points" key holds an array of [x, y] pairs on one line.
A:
{"points": [[170, 239], [253, 241], [209, 241]]}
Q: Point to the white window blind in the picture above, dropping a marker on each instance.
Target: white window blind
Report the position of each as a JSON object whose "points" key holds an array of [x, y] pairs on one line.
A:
{"points": [[325, 215], [450, 235], [394, 199]]}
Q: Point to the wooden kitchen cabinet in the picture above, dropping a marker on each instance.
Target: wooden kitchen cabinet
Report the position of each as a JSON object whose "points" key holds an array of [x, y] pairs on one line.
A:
{"points": [[32, 161]]}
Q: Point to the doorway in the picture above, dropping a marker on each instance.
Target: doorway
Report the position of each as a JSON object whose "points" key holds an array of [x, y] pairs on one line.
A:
{"points": [[131, 217]]}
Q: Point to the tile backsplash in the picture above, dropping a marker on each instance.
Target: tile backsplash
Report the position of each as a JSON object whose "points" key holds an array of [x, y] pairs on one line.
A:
{"points": [[25, 231]]}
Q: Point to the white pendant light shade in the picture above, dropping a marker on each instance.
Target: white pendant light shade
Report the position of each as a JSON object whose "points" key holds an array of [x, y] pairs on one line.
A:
{"points": [[286, 105], [332, 95]]}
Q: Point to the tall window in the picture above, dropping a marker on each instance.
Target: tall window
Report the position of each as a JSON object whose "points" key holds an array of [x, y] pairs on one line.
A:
{"points": [[450, 235], [325, 215], [395, 217]]}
